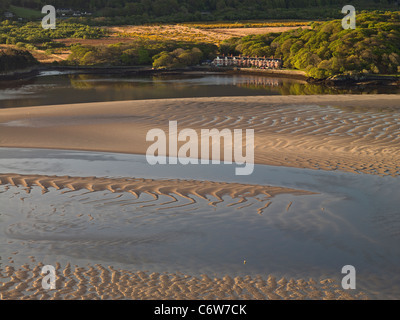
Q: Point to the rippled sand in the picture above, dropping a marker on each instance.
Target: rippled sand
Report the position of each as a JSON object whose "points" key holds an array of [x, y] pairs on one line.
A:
{"points": [[100, 282], [179, 192], [354, 133]]}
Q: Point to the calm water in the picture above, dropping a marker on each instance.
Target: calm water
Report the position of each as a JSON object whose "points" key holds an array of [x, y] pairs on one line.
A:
{"points": [[63, 88]]}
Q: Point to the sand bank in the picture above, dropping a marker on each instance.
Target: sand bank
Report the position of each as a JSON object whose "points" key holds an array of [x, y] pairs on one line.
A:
{"points": [[355, 133]]}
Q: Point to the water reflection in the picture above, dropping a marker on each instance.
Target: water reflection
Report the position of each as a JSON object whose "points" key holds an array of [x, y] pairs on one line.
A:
{"points": [[64, 88]]}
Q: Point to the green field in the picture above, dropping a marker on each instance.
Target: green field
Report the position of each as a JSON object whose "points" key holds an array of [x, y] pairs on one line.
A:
{"points": [[26, 13]]}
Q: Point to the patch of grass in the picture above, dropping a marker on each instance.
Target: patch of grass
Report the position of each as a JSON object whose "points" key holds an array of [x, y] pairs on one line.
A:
{"points": [[26, 13]]}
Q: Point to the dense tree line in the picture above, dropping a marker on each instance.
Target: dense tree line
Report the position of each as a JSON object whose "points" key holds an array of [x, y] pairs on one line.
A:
{"points": [[178, 58], [12, 59], [327, 49], [143, 11], [170, 54]]}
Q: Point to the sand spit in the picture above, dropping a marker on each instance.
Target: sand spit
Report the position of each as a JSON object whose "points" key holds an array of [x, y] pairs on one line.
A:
{"points": [[179, 192], [354, 133], [101, 282]]}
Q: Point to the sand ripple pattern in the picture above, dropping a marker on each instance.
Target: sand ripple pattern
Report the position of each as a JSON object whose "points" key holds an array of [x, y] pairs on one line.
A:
{"points": [[356, 139], [354, 133], [164, 194], [101, 282]]}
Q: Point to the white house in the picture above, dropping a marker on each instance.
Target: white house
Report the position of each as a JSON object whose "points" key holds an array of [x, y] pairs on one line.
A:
{"points": [[8, 14], [227, 61]]}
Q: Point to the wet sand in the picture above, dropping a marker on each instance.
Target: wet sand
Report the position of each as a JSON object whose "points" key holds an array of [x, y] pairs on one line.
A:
{"points": [[99, 281], [182, 230]]}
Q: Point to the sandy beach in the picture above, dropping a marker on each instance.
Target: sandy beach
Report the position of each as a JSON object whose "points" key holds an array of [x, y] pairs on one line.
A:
{"points": [[344, 133], [353, 133]]}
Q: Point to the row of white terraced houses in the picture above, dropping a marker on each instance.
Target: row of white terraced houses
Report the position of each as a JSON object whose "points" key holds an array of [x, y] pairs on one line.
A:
{"points": [[228, 61]]}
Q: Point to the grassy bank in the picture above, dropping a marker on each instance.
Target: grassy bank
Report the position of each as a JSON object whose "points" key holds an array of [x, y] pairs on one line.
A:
{"points": [[26, 13]]}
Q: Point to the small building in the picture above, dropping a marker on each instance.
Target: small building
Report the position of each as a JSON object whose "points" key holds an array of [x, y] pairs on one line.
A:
{"points": [[224, 61], [64, 11], [8, 15], [246, 62]]}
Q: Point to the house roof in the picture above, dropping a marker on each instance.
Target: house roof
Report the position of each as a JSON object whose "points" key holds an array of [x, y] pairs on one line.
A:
{"points": [[248, 58]]}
